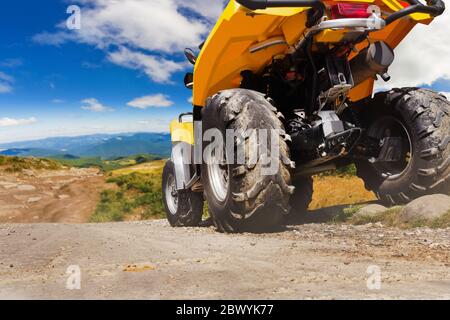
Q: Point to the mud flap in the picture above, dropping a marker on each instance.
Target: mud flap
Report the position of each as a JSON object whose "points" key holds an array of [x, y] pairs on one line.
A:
{"points": [[181, 157], [182, 152]]}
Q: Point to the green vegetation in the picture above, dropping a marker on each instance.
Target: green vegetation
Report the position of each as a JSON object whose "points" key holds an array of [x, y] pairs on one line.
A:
{"points": [[443, 222], [17, 164], [347, 171], [138, 196], [388, 218], [346, 214], [105, 165]]}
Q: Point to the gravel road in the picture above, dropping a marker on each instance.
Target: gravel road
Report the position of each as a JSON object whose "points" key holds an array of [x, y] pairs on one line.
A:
{"points": [[150, 260]]}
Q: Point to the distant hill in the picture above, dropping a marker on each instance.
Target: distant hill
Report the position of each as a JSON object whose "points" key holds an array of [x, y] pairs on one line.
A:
{"points": [[106, 165], [100, 145], [27, 152], [17, 164], [58, 143]]}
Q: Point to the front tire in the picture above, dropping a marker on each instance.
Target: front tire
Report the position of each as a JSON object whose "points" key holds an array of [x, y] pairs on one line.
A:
{"points": [[425, 117], [239, 196], [183, 208]]}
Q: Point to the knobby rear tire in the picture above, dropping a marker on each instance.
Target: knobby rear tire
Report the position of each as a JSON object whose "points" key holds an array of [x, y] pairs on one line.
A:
{"points": [[254, 203], [426, 116]]}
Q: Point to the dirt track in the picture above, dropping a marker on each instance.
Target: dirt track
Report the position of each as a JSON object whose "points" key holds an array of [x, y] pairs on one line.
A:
{"points": [[150, 260], [66, 196]]}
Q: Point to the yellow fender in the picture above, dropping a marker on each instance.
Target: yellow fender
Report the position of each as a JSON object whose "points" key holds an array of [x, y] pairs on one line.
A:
{"points": [[182, 132], [230, 48]]}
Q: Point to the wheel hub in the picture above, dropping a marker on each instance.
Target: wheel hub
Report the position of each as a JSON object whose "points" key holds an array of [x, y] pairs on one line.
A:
{"points": [[396, 154], [171, 195], [218, 175]]}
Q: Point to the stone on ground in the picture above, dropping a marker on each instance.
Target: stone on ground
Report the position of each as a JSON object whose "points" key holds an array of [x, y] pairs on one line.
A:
{"points": [[426, 208], [370, 210]]}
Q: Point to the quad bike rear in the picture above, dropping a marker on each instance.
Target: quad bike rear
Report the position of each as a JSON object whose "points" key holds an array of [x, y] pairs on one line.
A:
{"points": [[283, 90]]}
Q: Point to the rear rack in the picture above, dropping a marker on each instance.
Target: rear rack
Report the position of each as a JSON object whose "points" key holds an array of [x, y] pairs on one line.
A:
{"points": [[433, 7]]}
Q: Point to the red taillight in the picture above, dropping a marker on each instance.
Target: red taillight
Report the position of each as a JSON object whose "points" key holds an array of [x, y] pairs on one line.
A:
{"points": [[350, 10], [404, 4]]}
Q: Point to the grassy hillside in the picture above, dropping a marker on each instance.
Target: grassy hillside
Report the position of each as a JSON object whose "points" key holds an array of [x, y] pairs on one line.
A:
{"points": [[17, 164], [150, 167], [133, 193], [105, 165], [135, 196]]}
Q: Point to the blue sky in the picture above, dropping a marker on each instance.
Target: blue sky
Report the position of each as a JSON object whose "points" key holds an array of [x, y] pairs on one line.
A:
{"points": [[74, 87], [123, 70]]}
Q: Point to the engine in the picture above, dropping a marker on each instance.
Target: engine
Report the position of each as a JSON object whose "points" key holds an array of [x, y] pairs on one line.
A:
{"points": [[311, 90]]}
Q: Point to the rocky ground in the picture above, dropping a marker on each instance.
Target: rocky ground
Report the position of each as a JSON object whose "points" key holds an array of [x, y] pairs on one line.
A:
{"points": [[151, 260], [320, 255], [65, 195]]}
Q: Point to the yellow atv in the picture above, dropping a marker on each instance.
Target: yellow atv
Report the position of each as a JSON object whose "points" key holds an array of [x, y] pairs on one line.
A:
{"points": [[288, 84]]}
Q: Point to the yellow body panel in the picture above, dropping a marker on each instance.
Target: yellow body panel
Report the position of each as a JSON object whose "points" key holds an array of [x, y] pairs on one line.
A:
{"points": [[226, 53], [182, 131]]}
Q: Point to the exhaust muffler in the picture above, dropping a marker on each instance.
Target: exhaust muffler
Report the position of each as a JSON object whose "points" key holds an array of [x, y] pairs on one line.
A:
{"points": [[372, 61]]}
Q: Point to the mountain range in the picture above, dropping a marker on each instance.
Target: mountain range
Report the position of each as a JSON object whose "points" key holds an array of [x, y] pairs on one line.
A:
{"points": [[106, 146]]}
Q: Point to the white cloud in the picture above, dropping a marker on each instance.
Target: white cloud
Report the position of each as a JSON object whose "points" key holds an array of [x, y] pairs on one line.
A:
{"points": [[156, 68], [58, 101], [90, 65], [10, 122], [190, 100], [94, 105], [211, 11], [6, 78], [54, 39], [6, 83], [423, 56], [154, 25], [11, 63], [155, 101], [154, 125], [157, 27], [140, 34], [5, 88]]}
